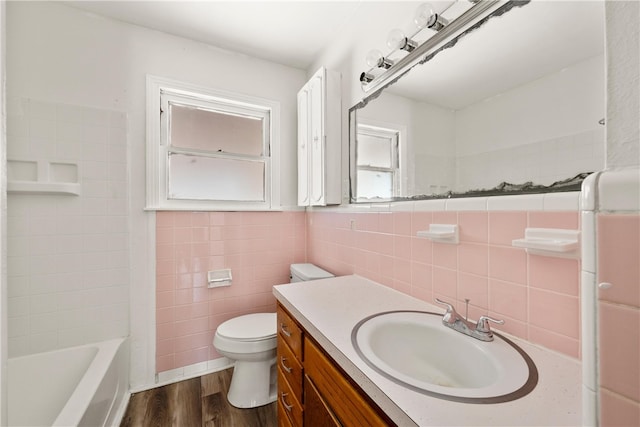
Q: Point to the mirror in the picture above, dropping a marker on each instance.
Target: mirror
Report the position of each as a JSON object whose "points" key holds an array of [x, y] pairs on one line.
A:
{"points": [[515, 106]]}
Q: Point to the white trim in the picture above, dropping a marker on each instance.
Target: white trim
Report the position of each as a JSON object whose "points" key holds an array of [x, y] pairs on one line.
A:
{"points": [[156, 186], [619, 190], [609, 191], [187, 372], [524, 202], [612, 191]]}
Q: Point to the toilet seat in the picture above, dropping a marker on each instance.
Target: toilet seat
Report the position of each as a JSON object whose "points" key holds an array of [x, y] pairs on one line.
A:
{"points": [[250, 327]]}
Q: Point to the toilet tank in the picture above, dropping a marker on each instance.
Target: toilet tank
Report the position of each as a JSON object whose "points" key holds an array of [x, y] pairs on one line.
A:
{"points": [[306, 272]]}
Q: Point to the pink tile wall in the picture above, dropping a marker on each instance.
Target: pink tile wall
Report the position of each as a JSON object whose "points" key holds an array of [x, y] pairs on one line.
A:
{"points": [[537, 296], [258, 247], [619, 319]]}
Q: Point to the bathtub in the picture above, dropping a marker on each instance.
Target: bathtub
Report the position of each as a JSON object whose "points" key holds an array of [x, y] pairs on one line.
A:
{"points": [[78, 386]]}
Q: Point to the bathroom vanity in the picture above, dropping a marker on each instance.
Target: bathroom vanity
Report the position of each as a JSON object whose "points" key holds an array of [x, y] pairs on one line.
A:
{"points": [[323, 380], [328, 395]]}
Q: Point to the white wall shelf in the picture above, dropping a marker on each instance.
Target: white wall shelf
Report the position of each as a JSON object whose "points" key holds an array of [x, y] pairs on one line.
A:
{"points": [[42, 177], [441, 233], [550, 242]]}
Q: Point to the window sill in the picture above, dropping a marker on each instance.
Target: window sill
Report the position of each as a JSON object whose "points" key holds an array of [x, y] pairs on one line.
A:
{"points": [[214, 207]]}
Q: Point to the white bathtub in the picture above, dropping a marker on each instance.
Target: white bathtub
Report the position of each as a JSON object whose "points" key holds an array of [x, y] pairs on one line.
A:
{"points": [[77, 386]]}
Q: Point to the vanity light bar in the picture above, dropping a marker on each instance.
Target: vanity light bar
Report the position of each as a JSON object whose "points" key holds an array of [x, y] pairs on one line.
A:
{"points": [[478, 12]]}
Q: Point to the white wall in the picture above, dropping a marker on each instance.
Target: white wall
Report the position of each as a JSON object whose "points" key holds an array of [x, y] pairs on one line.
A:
{"points": [[59, 55], [3, 224], [433, 141], [68, 255], [566, 102], [623, 83], [545, 130]]}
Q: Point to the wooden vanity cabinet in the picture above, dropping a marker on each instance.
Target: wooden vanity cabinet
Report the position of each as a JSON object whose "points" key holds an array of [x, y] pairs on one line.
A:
{"points": [[312, 390]]}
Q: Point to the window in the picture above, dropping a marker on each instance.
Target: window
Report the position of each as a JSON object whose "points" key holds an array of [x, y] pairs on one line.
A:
{"points": [[377, 162], [208, 149]]}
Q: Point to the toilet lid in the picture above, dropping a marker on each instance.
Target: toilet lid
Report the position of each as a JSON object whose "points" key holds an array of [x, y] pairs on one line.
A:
{"points": [[250, 327]]}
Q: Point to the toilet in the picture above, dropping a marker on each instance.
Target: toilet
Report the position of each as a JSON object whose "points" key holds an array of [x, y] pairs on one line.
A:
{"points": [[251, 340]]}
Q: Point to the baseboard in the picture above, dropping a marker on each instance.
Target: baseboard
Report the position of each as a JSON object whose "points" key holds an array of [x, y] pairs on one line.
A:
{"points": [[187, 372]]}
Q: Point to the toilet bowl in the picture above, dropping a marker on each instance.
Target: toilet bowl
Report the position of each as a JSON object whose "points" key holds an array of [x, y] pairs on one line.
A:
{"points": [[251, 340]]}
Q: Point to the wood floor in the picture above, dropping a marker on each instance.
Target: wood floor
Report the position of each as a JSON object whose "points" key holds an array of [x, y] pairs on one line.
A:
{"points": [[196, 402]]}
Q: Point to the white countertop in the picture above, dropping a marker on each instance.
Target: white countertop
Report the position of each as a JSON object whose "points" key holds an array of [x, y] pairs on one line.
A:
{"points": [[330, 308]]}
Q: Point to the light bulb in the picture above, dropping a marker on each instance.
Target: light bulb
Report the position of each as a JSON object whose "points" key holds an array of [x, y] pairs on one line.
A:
{"points": [[374, 58], [426, 17], [424, 14], [396, 39]]}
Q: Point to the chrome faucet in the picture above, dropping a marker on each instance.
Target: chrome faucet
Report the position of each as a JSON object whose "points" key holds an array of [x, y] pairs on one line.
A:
{"points": [[480, 330]]}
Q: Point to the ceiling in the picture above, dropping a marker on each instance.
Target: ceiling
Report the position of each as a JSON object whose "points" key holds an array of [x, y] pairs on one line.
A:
{"points": [[292, 33], [544, 36]]}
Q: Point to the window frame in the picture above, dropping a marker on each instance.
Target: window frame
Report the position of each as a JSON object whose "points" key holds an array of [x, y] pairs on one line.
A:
{"points": [[157, 148], [396, 135]]}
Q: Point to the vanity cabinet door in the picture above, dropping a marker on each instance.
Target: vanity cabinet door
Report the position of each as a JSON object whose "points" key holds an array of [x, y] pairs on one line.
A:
{"points": [[344, 400], [320, 140], [316, 411]]}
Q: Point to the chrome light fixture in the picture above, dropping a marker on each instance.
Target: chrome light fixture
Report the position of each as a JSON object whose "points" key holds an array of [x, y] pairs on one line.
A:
{"points": [[439, 31]]}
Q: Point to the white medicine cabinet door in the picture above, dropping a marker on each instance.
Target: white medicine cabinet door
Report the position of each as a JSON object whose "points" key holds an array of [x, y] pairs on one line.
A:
{"points": [[319, 140], [316, 116], [303, 147]]}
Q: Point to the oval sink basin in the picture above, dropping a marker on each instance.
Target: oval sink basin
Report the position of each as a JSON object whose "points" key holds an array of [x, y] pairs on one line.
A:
{"points": [[417, 351]]}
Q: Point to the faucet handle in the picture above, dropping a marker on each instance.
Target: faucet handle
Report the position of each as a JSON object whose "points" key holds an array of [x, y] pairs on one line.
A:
{"points": [[483, 323], [450, 308], [451, 315]]}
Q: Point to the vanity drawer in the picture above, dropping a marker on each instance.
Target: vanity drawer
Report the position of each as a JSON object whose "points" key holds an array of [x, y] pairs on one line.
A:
{"points": [[283, 418], [291, 406], [290, 368], [289, 330]]}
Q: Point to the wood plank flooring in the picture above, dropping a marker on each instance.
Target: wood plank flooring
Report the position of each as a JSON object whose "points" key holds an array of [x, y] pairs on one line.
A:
{"points": [[196, 402]]}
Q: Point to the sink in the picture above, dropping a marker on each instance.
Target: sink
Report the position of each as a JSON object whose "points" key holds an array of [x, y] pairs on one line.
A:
{"points": [[414, 349]]}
